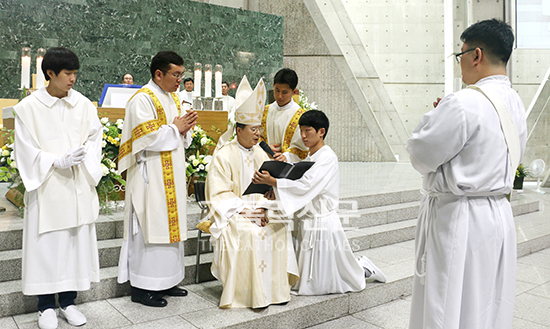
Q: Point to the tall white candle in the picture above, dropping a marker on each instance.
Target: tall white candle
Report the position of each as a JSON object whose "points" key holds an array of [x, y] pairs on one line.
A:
{"points": [[40, 81], [25, 67], [218, 80], [39, 74], [208, 80], [197, 82]]}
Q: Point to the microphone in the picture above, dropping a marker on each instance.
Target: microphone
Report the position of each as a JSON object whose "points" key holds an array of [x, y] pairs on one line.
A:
{"points": [[266, 148]]}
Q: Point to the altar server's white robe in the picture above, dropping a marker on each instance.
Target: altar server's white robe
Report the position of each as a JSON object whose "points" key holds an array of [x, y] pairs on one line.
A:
{"points": [[256, 265], [466, 240], [281, 127], [61, 205], [148, 260], [325, 258]]}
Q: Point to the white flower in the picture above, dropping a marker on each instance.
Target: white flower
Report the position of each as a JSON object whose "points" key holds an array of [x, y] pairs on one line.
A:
{"points": [[201, 167], [208, 158], [195, 162], [117, 139], [192, 157], [104, 169], [104, 120], [10, 146], [113, 170], [119, 122], [5, 153], [204, 140], [13, 165], [103, 143], [313, 106], [112, 164], [107, 124], [3, 160], [120, 126]]}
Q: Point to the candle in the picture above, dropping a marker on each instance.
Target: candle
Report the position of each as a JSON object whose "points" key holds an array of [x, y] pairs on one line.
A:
{"points": [[39, 73], [207, 80], [218, 80], [26, 68], [197, 80]]}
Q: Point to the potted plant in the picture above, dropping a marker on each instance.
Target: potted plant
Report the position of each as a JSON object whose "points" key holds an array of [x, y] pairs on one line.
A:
{"points": [[198, 157], [521, 172]]}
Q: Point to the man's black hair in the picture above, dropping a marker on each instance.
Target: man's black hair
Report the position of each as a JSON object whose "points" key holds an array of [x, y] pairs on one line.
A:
{"points": [[494, 36], [227, 84], [58, 59], [286, 76], [162, 61], [315, 119], [239, 125], [188, 79]]}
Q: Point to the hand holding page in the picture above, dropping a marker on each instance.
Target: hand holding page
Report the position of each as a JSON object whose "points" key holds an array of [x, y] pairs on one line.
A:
{"points": [[278, 169]]}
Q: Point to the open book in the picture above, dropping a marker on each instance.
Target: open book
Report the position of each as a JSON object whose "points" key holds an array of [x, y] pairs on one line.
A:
{"points": [[278, 169]]}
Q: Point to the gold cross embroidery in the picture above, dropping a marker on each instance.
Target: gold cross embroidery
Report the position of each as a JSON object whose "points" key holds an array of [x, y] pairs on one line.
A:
{"points": [[248, 161], [263, 266], [262, 234]]}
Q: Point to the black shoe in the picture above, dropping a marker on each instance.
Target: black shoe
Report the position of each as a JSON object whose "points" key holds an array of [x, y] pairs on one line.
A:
{"points": [[174, 291], [148, 298]]}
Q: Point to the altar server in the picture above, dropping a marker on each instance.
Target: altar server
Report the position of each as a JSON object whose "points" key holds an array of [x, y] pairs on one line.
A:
{"points": [[280, 119], [325, 258], [465, 270], [152, 152], [253, 254], [58, 152]]}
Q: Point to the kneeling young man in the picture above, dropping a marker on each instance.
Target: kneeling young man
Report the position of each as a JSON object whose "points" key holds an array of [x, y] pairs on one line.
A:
{"points": [[253, 257], [325, 259]]}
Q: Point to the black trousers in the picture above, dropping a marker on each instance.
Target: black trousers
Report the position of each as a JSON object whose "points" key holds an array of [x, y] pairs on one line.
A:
{"points": [[66, 298]]}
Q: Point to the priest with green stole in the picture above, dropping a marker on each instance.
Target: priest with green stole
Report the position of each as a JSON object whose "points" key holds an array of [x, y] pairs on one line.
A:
{"points": [[253, 253]]}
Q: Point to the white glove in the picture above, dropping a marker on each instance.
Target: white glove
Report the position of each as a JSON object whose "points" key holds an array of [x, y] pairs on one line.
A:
{"points": [[71, 158]]}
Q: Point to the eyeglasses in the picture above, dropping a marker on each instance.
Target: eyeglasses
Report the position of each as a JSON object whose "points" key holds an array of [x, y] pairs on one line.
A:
{"points": [[459, 55], [254, 129], [177, 76]]}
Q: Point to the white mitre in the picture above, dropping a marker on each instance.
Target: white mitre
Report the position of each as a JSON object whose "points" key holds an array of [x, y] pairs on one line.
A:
{"points": [[249, 103]]}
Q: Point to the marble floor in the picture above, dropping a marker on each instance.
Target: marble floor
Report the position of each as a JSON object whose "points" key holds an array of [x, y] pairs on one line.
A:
{"points": [[532, 292]]}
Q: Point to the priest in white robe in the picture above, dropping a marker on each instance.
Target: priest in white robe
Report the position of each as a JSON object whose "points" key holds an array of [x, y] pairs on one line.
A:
{"points": [[229, 106], [280, 119], [253, 254], [58, 153], [465, 270], [325, 258], [152, 152], [186, 96]]}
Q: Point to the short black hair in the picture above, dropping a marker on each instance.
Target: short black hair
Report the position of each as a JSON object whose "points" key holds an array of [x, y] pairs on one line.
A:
{"points": [[286, 76], [227, 84], [315, 119], [188, 79], [239, 125], [58, 59], [494, 36], [162, 61]]}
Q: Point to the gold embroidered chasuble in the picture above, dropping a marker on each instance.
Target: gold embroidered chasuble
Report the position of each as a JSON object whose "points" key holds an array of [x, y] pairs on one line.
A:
{"points": [[159, 202], [256, 265]]}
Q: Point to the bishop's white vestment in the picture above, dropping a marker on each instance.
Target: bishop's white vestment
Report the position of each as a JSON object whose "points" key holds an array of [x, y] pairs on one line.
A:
{"points": [[325, 258], [155, 221], [229, 106], [256, 265], [465, 270], [61, 205], [280, 126]]}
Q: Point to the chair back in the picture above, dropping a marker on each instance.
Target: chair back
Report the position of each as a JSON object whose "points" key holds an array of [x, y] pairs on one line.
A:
{"points": [[199, 192]]}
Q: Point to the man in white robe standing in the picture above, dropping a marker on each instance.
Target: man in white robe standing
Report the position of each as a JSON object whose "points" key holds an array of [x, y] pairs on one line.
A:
{"points": [[465, 270], [325, 259], [58, 152], [152, 152], [280, 119], [253, 256], [229, 106]]}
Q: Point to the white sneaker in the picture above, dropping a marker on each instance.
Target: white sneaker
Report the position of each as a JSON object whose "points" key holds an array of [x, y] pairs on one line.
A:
{"points": [[73, 316], [47, 319], [372, 272]]}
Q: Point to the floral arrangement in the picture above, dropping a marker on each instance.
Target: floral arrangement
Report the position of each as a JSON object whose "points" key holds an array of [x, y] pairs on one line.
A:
{"points": [[197, 156], [111, 183], [304, 102], [521, 171], [8, 169]]}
